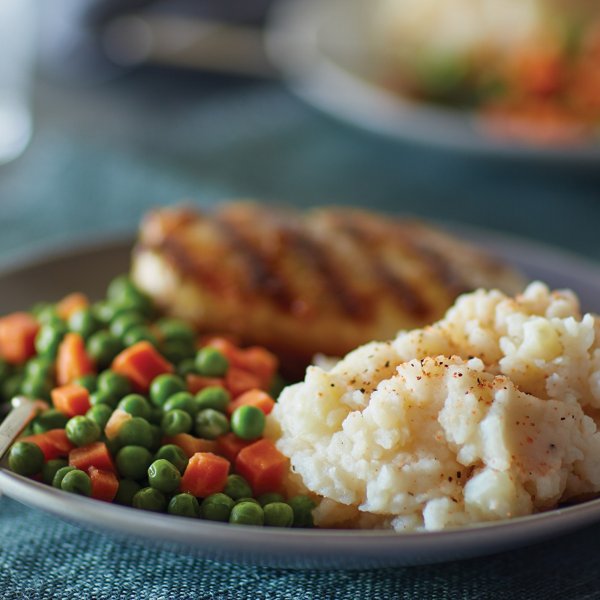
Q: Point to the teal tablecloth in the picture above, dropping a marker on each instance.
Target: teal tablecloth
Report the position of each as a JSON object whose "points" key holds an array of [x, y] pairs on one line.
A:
{"points": [[102, 157]]}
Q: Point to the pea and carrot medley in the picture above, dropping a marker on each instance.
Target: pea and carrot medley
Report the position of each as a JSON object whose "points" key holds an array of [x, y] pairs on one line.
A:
{"points": [[144, 413]]}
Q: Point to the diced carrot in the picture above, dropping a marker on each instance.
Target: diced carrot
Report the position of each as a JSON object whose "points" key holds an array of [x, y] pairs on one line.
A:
{"points": [[114, 423], [238, 381], [105, 484], [53, 443], [263, 466], [189, 444], [205, 474], [230, 445], [72, 360], [17, 337], [256, 359], [92, 455], [255, 397], [71, 399], [141, 363], [61, 442], [71, 304], [195, 383], [260, 362]]}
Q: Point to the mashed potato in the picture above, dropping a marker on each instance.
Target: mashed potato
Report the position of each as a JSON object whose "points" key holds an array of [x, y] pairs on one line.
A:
{"points": [[488, 414]]}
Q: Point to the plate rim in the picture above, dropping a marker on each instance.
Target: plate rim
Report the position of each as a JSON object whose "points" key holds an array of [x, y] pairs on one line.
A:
{"points": [[506, 534]]}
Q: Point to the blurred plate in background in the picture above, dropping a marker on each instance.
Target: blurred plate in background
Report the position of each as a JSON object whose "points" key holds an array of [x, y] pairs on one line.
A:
{"points": [[320, 47]]}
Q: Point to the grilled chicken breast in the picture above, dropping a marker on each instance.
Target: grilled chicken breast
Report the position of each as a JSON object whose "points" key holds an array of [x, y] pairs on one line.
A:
{"points": [[324, 281]]}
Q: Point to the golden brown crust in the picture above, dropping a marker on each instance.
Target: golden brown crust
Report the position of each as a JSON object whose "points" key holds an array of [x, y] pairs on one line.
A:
{"points": [[324, 281]]}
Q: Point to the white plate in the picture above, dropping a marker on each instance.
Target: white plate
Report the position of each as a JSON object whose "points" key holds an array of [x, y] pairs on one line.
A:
{"points": [[90, 268], [319, 46]]}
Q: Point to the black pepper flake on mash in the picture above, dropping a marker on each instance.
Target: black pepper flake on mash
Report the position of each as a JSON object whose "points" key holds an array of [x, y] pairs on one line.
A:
{"points": [[387, 364], [362, 390]]}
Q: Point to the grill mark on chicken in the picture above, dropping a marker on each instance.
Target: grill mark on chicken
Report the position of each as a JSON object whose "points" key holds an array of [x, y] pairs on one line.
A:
{"points": [[179, 255], [440, 265], [408, 236], [263, 276], [401, 289], [332, 277], [268, 270]]}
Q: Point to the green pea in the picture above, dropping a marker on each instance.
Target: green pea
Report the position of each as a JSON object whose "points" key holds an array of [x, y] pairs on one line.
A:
{"points": [[248, 422], [83, 322], [123, 322], [214, 397], [50, 316], [164, 476], [211, 363], [48, 339], [176, 329], [151, 499], [302, 507], [269, 497], [26, 458], [103, 397], [40, 309], [50, 469], [136, 432], [134, 301], [82, 431], [103, 311], [113, 383], [11, 387], [246, 499], [136, 405], [89, 382], [176, 421], [247, 513], [183, 401], [187, 367], [175, 455], [77, 482], [60, 475], [49, 419], [278, 514], [39, 367], [127, 490], [100, 414], [139, 334], [102, 347], [133, 462], [237, 487], [210, 424], [36, 387], [164, 386], [177, 350], [184, 505], [216, 507], [119, 287]]}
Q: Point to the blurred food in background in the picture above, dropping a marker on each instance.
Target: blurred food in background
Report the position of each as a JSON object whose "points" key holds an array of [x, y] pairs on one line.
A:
{"points": [[531, 67]]}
